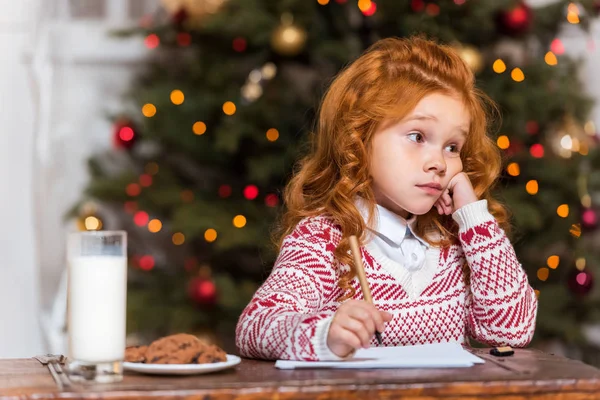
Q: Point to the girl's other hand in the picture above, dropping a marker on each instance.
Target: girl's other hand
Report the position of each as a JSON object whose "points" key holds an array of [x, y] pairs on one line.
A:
{"points": [[458, 194]]}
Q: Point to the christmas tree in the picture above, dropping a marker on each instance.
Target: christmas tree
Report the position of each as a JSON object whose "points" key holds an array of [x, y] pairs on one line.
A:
{"points": [[225, 104]]}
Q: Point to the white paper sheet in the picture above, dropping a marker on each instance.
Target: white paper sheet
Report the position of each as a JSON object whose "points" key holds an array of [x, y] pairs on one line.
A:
{"points": [[438, 355]]}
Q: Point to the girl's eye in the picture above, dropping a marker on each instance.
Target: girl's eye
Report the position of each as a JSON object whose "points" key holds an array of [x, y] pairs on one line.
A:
{"points": [[452, 148], [416, 137]]}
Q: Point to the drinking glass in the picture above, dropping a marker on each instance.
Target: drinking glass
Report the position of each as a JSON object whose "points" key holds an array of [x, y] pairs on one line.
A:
{"points": [[97, 300]]}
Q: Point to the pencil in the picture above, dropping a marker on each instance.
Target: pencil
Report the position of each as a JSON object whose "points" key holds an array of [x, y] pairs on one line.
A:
{"points": [[362, 278]]}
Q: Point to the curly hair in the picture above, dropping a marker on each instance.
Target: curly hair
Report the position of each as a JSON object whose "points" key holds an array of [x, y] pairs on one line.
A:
{"points": [[386, 83]]}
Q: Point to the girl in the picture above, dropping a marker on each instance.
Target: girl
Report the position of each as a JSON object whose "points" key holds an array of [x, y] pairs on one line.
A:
{"points": [[400, 159]]}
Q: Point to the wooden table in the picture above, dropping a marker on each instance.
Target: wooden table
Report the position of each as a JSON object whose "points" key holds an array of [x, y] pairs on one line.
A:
{"points": [[529, 374]]}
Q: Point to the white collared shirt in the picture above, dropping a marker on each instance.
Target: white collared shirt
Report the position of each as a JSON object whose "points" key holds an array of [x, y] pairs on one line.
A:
{"points": [[393, 236]]}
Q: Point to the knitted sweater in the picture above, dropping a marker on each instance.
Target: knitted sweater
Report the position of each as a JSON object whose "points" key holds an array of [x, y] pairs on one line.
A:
{"points": [[290, 314]]}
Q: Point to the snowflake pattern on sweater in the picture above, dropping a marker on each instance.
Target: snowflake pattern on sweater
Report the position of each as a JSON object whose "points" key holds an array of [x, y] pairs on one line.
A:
{"points": [[289, 315]]}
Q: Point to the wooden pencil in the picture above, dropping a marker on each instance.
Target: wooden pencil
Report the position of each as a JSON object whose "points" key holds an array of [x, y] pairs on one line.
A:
{"points": [[362, 278]]}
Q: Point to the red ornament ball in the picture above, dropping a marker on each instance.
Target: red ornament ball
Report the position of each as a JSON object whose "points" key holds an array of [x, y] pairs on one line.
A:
{"points": [[580, 283], [250, 192], [203, 291], [124, 135], [515, 21]]}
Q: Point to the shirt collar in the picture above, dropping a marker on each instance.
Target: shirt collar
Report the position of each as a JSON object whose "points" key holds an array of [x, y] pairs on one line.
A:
{"points": [[391, 227]]}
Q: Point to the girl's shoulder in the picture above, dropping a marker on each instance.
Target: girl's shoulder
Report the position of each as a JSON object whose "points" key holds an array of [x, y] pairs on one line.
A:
{"points": [[318, 229]]}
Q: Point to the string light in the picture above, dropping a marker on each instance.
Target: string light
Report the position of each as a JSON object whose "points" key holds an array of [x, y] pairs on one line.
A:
{"points": [[573, 13], [572, 18], [589, 217], [575, 230], [152, 41], [145, 180], [503, 142], [178, 238], [580, 263], [543, 273], [239, 221], [590, 128], [553, 261], [229, 108], [271, 200], [557, 47], [563, 210], [177, 97], [550, 58], [499, 66], [532, 187], [126, 134], [250, 192], [371, 10], [272, 135], [513, 169], [323, 2], [133, 189], [536, 150], [154, 225], [566, 142], [149, 110], [146, 263], [517, 75], [141, 218], [586, 200], [210, 235], [92, 223], [364, 5], [199, 128]]}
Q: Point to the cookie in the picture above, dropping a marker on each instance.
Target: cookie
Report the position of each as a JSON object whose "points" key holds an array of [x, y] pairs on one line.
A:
{"points": [[211, 354], [175, 349], [136, 354]]}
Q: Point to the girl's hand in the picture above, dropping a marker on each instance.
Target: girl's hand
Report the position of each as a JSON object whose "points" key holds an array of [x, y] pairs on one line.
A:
{"points": [[354, 325], [458, 194]]}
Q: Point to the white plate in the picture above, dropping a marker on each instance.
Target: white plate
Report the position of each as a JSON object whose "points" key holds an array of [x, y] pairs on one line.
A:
{"points": [[182, 369]]}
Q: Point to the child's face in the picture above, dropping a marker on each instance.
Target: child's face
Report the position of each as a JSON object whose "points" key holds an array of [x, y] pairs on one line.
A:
{"points": [[414, 160]]}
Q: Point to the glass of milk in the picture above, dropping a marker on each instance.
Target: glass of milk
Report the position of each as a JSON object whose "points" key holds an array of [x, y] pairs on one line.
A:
{"points": [[97, 300]]}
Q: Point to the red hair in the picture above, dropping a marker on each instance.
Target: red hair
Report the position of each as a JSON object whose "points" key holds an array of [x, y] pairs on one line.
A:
{"points": [[386, 83]]}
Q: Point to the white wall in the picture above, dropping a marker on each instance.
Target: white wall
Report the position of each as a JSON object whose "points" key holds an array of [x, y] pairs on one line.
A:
{"points": [[19, 330]]}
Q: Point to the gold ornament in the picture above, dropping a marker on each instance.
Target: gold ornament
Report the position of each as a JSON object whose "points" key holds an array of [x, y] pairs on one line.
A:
{"points": [[195, 9], [471, 56], [288, 39]]}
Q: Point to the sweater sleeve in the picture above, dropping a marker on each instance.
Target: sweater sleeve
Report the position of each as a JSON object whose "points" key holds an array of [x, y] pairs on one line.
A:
{"points": [[285, 318], [501, 305]]}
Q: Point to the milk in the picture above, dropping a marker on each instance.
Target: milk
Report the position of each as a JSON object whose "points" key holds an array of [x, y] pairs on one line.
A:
{"points": [[97, 304]]}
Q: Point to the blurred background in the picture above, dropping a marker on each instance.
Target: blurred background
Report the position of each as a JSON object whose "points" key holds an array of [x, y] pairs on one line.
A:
{"points": [[179, 121]]}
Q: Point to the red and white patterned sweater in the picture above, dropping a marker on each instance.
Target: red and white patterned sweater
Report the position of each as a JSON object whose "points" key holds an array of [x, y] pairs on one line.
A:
{"points": [[290, 314]]}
